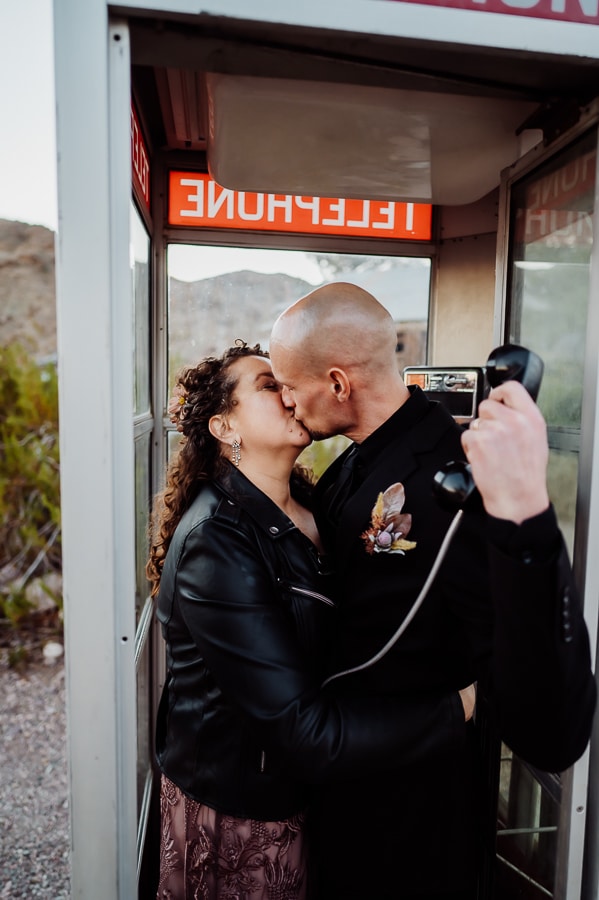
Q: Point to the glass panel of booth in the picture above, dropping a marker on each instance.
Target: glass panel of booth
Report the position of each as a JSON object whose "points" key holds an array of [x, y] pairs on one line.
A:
{"points": [[141, 321], [140, 274], [528, 818], [142, 430], [142, 508], [144, 725], [218, 294], [548, 301], [548, 297]]}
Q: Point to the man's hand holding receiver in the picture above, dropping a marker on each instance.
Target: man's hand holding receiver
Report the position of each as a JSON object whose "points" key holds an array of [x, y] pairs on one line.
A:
{"points": [[507, 449]]}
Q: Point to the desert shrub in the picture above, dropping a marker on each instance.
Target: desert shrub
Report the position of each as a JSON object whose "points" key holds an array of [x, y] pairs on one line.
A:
{"points": [[320, 454], [30, 542]]}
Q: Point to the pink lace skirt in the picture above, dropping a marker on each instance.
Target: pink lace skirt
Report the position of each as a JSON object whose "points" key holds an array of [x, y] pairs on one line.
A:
{"points": [[206, 855]]}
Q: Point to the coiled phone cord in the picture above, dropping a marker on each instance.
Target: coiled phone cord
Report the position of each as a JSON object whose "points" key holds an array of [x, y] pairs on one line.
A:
{"points": [[415, 607]]}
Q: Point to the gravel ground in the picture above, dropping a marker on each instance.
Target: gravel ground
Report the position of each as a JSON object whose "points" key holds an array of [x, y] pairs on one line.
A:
{"points": [[34, 838]]}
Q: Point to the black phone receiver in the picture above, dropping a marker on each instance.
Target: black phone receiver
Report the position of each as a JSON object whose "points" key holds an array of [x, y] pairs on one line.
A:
{"points": [[513, 363], [453, 484]]}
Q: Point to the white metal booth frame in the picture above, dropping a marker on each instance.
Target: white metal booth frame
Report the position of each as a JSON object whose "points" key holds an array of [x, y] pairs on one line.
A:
{"points": [[107, 638]]}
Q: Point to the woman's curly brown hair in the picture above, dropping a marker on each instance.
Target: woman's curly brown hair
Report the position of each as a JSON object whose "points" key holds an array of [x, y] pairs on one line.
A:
{"points": [[204, 391]]}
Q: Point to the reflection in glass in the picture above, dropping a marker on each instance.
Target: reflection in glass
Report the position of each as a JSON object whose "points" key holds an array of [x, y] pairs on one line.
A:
{"points": [[552, 232], [562, 478], [142, 507], [551, 237], [140, 276], [144, 750], [527, 820]]}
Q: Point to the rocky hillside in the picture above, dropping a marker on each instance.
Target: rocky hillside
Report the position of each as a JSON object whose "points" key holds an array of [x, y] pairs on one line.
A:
{"points": [[27, 288], [206, 315]]}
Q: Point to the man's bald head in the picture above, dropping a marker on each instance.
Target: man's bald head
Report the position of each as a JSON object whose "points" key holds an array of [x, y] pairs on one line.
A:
{"points": [[337, 324], [333, 351]]}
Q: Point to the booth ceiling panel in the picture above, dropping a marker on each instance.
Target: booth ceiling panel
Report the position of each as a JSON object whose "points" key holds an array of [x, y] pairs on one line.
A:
{"points": [[312, 112], [336, 140]]}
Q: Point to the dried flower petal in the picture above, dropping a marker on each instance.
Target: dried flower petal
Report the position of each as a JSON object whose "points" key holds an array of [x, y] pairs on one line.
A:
{"points": [[175, 405]]}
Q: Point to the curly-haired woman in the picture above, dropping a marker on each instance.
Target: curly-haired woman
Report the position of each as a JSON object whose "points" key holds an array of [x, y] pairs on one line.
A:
{"points": [[245, 603]]}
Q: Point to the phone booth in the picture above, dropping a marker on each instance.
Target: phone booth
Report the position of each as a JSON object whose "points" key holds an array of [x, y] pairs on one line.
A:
{"points": [[215, 162]]}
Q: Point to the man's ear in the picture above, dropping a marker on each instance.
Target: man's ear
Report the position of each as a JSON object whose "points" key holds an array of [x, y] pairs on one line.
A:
{"points": [[220, 429], [340, 384]]}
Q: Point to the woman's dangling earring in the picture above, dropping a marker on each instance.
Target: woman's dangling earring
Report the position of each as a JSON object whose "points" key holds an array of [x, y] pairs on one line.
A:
{"points": [[236, 456]]}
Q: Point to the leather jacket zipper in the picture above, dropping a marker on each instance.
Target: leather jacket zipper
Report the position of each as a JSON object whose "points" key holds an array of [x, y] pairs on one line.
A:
{"points": [[307, 593]]}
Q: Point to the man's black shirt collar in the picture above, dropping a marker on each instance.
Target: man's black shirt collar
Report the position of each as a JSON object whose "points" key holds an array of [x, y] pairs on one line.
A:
{"points": [[401, 422]]}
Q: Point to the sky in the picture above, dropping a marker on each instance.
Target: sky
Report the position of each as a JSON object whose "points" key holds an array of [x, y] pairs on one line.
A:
{"points": [[28, 137], [28, 147], [28, 143]]}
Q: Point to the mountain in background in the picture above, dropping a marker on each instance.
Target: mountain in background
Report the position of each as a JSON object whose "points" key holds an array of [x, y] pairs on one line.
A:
{"points": [[207, 315], [27, 288]]}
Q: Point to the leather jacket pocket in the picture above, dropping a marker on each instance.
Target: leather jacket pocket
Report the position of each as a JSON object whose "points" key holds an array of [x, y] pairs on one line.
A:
{"points": [[313, 614]]}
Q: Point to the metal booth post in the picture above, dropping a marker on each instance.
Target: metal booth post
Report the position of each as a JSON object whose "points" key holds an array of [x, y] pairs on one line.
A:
{"points": [[95, 391]]}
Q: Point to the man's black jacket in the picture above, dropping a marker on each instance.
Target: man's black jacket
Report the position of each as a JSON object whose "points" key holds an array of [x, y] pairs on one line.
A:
{"points": [[503, 611]]}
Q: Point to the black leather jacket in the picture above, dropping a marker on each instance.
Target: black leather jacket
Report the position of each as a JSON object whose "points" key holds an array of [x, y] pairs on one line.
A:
{"points": [[246, 614]]}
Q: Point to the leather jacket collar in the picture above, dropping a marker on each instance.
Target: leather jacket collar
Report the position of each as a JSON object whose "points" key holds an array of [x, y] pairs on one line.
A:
{"points": [[239, 490]]}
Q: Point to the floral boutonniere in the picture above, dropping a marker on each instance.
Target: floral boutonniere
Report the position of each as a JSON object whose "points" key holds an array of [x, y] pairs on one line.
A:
{"points": [[389, 525]]}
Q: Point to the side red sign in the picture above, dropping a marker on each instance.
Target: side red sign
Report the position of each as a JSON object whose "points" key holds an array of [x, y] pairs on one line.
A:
{"points": [[586, 11], [140, 162]]}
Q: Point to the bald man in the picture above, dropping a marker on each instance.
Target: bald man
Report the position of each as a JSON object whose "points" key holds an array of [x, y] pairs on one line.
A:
{"points": [[502, 610]]}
